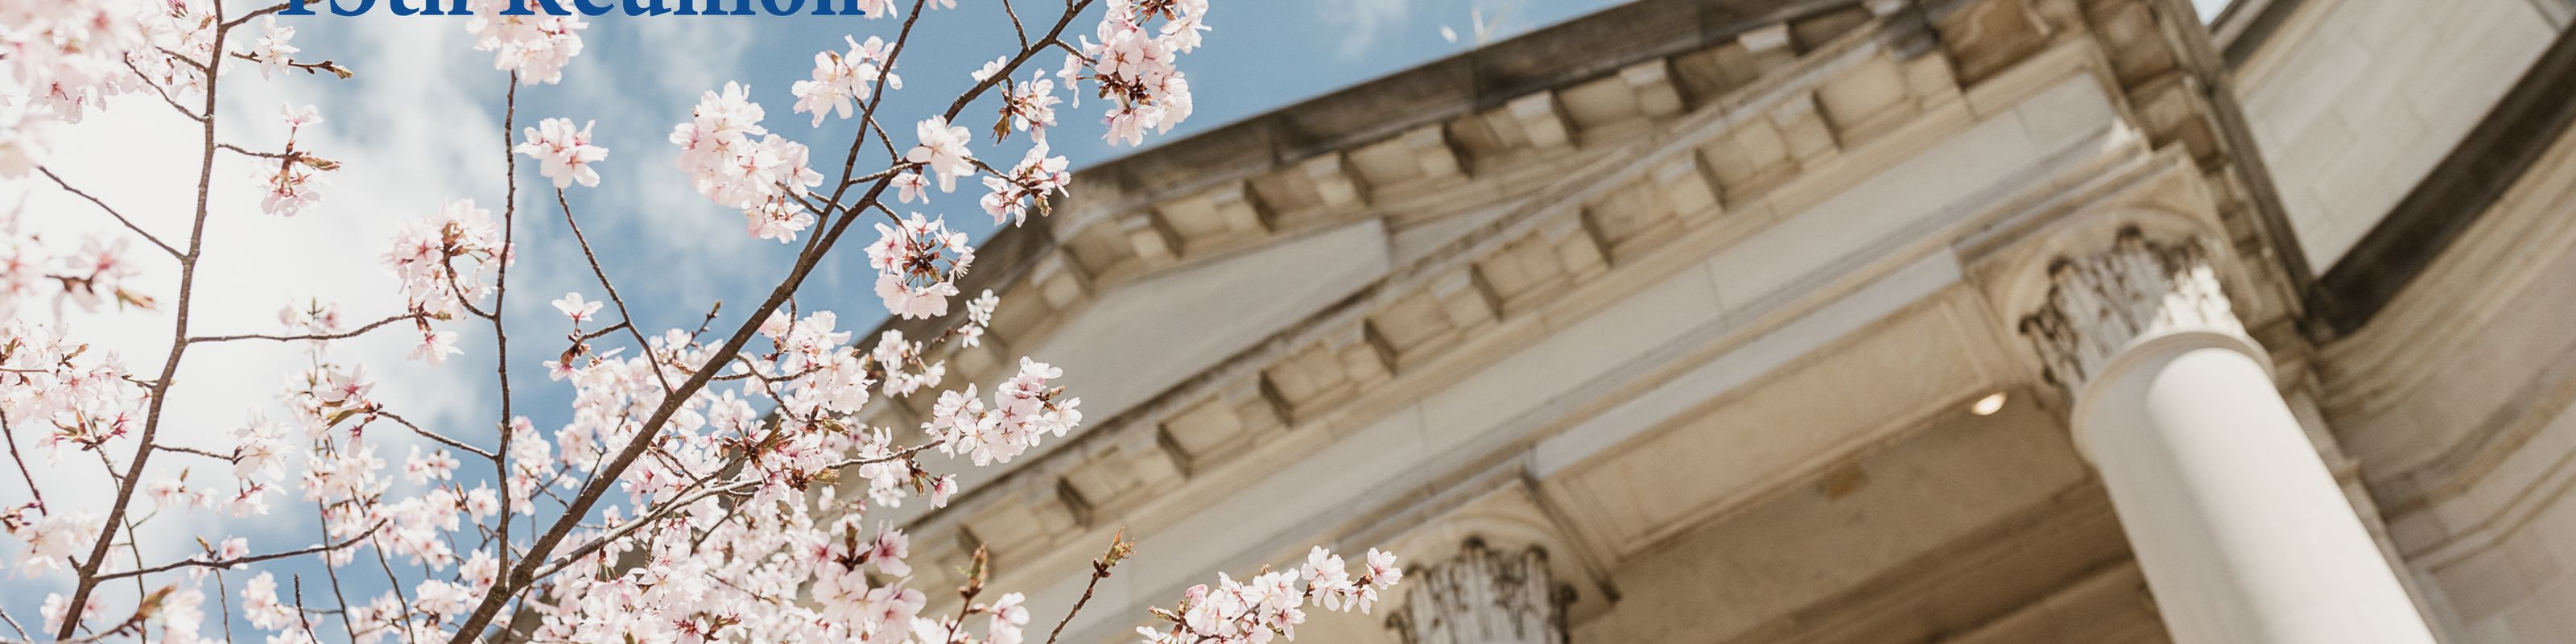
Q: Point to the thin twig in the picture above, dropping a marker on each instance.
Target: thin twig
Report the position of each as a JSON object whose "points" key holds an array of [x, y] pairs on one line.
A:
{"points": [[613, 328], [332, 67], [371, 326], [13, 623], [165, 93], [236, 22], [500, 337], [224, 601], [332, 571], [11, 437], [192, 450], [604, 283], [1098, 572], [287, 157], [668, 507], [111, 211], [432, 435], [251, 559]]}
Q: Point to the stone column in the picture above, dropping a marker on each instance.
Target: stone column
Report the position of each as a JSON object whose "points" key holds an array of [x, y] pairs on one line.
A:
{"points": [[2242, 532], [1483, 596]]}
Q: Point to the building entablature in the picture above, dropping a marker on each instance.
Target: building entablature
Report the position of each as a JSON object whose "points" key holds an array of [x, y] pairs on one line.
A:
{"points": [[1540, 290]]}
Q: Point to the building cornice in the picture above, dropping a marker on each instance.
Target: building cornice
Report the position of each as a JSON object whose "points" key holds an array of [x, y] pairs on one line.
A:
{"points": [[1355, 345], [1627, 193], [1266, 175]]}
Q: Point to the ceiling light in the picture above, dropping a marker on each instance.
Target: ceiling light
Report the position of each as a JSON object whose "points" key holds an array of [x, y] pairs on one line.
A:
{"points": [[1988, 405]]}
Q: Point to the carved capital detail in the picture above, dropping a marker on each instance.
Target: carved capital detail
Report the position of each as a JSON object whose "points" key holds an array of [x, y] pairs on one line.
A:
{"points": [[1483, 596], [2098, 304]]}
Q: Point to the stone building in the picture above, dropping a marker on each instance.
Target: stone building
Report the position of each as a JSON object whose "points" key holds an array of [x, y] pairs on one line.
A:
{"points": [[1838, 321]]}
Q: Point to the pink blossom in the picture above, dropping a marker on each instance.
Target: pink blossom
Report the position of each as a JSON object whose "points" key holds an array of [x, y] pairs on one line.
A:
{"points": [[943, 150], [435, 346], [441, 261], [271, 50], [572, 305], [536, 46], [839, 80], [917, 263], [909, 186], [563, 154]]}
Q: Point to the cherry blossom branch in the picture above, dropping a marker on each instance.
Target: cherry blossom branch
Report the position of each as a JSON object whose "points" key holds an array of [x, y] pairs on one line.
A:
{"points": [[458, 289], [635, 447], [1011, 68], [111, 211], [894, 155], [709, 319], [1119, 548], [134, 548], [310, 68], [331, 571], [302, 614], [1016, 29], [104, 463], [868, 112], [224, 602], [191, 450], [500, 288], [520, 576], [594, 545], [667, 508], [613, 297], [395, 582], [250, 559], [613, 328], [371, 326], [87, 578], [434, 436], [164, 93], [228, 25], [11, 437], [287, 157], [182, 58]]}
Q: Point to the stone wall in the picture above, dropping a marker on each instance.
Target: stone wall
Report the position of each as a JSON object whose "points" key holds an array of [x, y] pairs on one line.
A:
{"points": [[2455, 404], [2353, 101]]}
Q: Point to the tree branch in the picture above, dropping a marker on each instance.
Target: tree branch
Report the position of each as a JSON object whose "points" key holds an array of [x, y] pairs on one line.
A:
{"points": [[87, 578], [434, 436], [228, 563], [613, 297], [604, 478], [111, 211], [371, 326]]}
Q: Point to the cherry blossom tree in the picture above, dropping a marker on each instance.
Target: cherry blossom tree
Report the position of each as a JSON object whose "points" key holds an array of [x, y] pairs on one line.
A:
{"points": [[695, 493]]}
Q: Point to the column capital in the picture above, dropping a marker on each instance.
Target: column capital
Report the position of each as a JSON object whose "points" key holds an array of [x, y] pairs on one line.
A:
{"points": [[2138, 289], [1483, 596]]}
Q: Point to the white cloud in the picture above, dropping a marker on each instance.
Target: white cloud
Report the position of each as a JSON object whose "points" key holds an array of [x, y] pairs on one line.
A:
{"points": [[692, 56], [413, 139], [1363, 21]]}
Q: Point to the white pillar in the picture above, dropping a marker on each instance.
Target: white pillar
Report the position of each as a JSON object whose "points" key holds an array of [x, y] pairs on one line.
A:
{"points": [[2242, 532]]}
